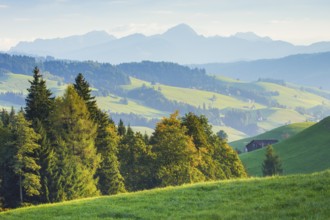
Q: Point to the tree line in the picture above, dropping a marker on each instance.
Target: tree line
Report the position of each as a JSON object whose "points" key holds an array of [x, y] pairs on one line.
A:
{"points": [[63, 148]]}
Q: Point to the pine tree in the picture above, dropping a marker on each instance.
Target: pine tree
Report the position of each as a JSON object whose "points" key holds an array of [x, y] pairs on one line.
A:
{"points": [[24, 164], [272, 164], [39, 103]]}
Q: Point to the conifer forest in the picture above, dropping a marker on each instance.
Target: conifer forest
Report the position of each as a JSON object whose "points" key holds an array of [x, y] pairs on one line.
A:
{"points": [[63, 148]]}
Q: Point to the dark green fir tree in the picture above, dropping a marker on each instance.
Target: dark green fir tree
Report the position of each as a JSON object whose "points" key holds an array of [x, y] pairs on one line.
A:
{"points": [[84, 91], [272, 164], [39, 103]]}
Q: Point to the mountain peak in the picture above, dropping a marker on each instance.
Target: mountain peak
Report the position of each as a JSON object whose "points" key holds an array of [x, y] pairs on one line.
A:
{"points": [[250, 36], [180, 30], [98, 33]]}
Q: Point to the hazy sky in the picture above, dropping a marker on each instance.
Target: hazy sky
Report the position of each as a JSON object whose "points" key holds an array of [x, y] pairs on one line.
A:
{"points": [[296, 21]]}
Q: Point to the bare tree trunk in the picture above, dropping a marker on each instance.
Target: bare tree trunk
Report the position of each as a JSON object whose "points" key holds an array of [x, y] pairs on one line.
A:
{"points": [[20, 189]]}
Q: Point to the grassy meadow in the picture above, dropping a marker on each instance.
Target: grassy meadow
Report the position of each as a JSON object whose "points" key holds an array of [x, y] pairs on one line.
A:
{"points": [[280, 134], [304, 196], [305, 152], [289, 96]]}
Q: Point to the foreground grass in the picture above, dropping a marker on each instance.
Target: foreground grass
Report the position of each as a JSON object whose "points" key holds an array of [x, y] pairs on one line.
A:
{"points": [[287, 197]]}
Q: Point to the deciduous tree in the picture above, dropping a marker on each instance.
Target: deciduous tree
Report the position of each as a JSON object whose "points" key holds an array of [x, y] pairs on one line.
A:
{"points": [[175, 153]]}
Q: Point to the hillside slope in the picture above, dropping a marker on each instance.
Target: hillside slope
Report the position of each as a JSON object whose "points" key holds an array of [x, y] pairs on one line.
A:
{"points": [[303, 69], [280, 134], [286, 197], [142, 93], [305, 152]]}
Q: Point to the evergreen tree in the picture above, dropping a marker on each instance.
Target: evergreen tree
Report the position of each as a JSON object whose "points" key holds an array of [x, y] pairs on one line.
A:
{"points": [[223, 135], [24, 163], [47, 162], [9, 194], [74, 144], [7, 118], [39, 107], [136, 161], [121, 128], [110, 179], [39, 103], [272, 164], [84, 91]]}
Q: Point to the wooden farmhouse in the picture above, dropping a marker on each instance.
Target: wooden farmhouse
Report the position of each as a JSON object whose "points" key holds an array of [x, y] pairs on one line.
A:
{"points": [[257, 144]]}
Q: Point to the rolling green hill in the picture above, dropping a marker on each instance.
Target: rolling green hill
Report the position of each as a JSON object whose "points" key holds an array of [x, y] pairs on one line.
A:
{"points": [[305, 152], [271, 116], [286, 197], [142, 93], [280, 134]]}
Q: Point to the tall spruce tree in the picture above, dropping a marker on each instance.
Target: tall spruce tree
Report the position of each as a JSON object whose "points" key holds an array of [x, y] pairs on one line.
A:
{"points": [[272, 164], [39, 107], [39, 102], [84, 91], [75, 148], [110, 179]]}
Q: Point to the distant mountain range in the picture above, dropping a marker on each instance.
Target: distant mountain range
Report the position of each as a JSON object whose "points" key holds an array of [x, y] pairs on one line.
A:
{"points": [[302, 69], [180, 44]]}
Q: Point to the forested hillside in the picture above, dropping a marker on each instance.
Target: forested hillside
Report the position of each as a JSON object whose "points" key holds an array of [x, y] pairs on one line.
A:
{"points": [[65, 147], [142, 93]]}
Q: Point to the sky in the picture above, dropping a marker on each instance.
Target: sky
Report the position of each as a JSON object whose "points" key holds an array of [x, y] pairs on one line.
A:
{"points": [[300, 22]]}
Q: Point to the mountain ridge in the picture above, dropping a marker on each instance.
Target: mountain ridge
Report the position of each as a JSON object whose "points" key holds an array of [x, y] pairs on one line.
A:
{"points": [[303, 69], [180, 44]]}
